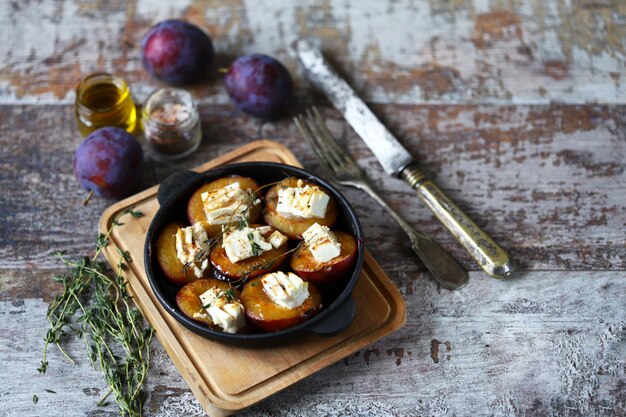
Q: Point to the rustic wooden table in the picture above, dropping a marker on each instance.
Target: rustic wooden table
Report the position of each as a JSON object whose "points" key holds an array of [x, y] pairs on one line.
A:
{"points": [[518, 110]]}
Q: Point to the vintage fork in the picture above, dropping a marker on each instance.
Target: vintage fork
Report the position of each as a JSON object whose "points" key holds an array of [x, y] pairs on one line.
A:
{"points": [[346, 172]]}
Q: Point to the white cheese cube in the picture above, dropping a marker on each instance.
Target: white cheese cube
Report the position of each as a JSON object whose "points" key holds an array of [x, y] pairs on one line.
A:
{"points": [[244, 243], [322, 243], [230, 317], [307, 202], [226, 205], [264, 229], [210, 296], [192, 248], [285, 289], [222, 311], [277, 239]]}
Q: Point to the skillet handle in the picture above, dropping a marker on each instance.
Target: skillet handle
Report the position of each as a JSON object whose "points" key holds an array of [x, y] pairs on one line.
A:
{"points": [[171, 184], [337, 322]]}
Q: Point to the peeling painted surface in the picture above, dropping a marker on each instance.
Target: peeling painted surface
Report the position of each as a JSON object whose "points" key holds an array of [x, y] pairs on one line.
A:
{"points": [[542, 171], [466, 51], [545, 181], [565, 356]]}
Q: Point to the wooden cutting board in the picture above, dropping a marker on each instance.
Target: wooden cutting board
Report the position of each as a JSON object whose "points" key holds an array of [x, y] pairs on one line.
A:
{"points": [[224, 378]]}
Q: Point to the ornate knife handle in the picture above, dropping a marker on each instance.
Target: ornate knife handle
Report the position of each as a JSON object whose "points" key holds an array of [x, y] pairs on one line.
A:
{"points": [[494, 260]]}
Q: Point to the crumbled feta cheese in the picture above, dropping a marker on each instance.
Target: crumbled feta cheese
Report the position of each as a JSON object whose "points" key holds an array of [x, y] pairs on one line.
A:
{"points": [[221, 310], [285, 289], [192, 248], [308, 201], [322, 243], [264, 230], [244, 243], [227, 204], [277, 239]]}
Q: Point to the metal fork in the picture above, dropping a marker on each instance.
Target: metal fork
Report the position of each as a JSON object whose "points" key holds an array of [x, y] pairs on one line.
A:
{"points": [[346, 172]]}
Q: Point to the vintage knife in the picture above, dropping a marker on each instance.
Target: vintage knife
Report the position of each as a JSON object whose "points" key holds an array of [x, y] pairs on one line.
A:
{"points": [[397, 161]]}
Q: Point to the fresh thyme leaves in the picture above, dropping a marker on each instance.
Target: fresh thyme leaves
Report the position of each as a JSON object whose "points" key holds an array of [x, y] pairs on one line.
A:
{"points": [[131, 210], [102, 242], [229, 294], [35, 399], [200, 256], [97, 308], [256, 249]]}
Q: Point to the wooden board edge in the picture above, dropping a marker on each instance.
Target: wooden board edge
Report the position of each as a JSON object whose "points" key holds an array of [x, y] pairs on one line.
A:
{"points": [[395, 320], [213, 403], [210, 401]]}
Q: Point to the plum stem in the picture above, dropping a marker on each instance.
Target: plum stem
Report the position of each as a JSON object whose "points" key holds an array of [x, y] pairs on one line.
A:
{"points": [[88, 197], [222, 70]]}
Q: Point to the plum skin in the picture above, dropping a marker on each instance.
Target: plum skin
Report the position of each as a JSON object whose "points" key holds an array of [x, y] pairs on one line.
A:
{"points": [[330, 273], [262, 312], [188, 297], [259, 85], [176, 52], [108, 162]]}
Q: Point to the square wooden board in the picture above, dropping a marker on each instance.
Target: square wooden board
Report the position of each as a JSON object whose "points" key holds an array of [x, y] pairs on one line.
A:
{"points": [[224, 378]]}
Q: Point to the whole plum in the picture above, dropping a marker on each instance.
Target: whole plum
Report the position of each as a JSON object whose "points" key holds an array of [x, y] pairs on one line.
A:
{"points": [[259, 85], [176, 52], [108, 162]]}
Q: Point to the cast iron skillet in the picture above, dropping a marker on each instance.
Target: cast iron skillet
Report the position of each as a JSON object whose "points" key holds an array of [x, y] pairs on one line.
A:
{"points": [[173, 195]]}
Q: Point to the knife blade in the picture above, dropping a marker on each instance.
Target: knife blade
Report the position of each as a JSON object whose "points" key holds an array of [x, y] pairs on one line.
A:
{"points": [[397, 161], [389, 152]]}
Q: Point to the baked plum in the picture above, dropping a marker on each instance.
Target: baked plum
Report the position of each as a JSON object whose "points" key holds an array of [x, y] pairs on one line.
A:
{"points": [[294, 226], [108, 162], [267, 261], [265, 314], [176, 52], [171, 266], [195, 207], [188, 297], [259, 85], [309, 269]]}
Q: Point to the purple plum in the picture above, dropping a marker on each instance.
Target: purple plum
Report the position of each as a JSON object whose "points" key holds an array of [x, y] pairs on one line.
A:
{"points": [[259, 85], [108, 162], [176, 52]]}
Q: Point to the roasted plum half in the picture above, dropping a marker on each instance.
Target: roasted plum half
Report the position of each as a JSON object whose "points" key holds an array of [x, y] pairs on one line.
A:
{"points": [[195, 207], [171, 266], [263, 263], [262, 312], [188, 297], [324, 273], [294, 226]]}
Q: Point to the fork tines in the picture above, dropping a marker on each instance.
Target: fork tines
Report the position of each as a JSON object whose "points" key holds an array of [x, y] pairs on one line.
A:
{"points": [[315, 132]]}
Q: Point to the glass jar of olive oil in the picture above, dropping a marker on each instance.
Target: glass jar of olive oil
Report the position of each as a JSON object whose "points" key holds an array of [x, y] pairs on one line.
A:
{"points": [[104, 100]]}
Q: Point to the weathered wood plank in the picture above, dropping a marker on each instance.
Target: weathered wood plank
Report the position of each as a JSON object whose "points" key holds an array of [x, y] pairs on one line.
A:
{"points": [[546, 181], [549, 343], [462, 51]]}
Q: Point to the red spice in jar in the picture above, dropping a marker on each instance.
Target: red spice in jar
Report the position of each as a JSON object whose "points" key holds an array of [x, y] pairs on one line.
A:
{"points": [[171, 123]]}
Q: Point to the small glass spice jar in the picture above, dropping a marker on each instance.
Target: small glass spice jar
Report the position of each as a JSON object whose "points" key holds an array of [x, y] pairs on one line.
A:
{"points": [[104, 100], [171, 123]]}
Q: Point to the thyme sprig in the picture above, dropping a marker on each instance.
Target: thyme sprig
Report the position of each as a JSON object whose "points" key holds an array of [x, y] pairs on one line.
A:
{"points": [[97, 308], [228, 294]]}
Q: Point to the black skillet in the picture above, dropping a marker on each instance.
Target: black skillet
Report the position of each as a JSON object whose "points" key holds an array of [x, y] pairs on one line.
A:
{"points": [[173, 195]]}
